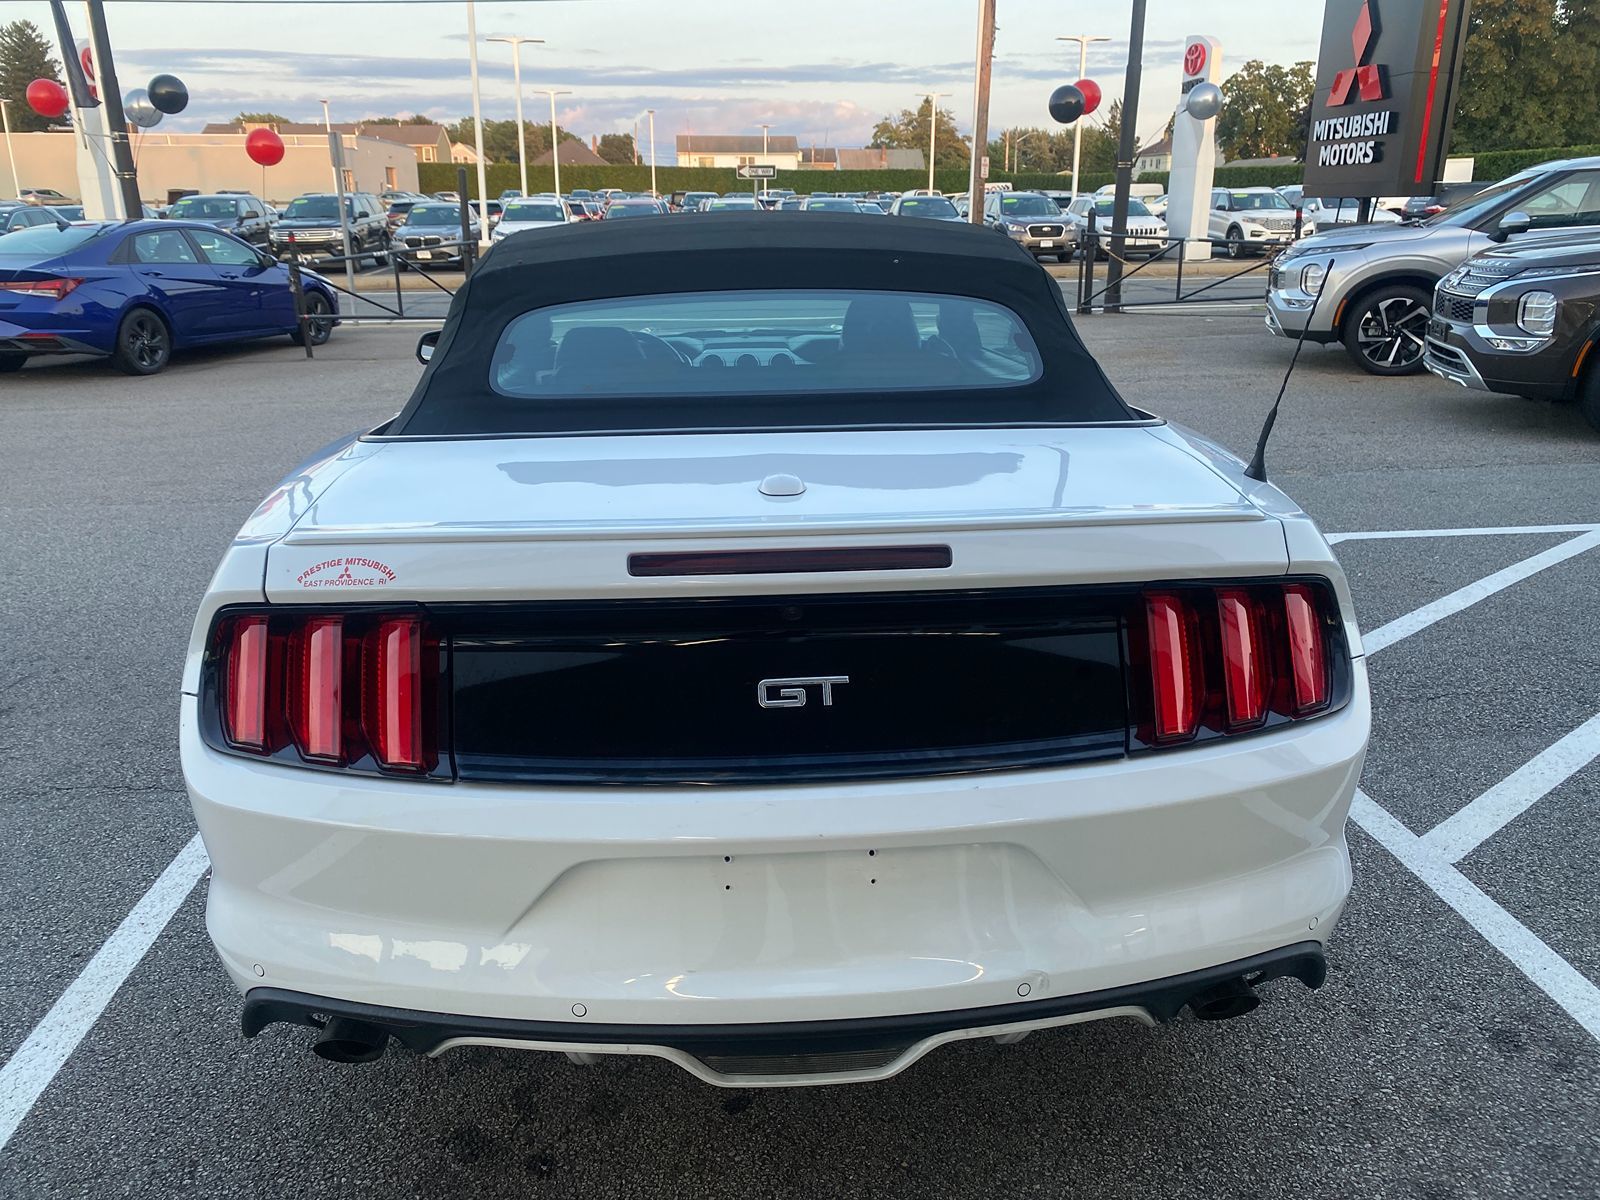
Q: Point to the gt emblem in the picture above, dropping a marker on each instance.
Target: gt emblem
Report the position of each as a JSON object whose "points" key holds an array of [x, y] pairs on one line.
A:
{"points": [[791, 693]]}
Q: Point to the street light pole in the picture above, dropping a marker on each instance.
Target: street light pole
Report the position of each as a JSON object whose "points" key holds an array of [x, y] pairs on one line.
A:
{"points": [[1083, 40], [933, 99], [516, 44], [11, 153], [555, 132], [477, 126], [764, 130], [653, 191]]}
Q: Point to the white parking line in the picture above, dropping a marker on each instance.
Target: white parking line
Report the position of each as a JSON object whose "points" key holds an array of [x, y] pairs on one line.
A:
{"points": [[1552, 974], [1429, 614], [1379, 535], [1465, 830], [52, 1041]]}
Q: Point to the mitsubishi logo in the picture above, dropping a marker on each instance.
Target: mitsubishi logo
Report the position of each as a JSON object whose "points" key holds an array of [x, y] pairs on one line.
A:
{"points": [[1364, 77]]}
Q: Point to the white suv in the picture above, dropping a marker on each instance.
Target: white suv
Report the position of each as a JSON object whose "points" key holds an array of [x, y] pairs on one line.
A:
{"points": [[1251, 220]]}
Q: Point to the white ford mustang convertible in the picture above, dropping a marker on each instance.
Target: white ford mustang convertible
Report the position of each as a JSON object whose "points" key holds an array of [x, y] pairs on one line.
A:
{"points": [[768, 642]]}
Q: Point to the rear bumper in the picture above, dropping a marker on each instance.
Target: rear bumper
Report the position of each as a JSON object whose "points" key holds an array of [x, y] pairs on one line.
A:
{"points": [[762, 904], [21, 339], [808, 1052]]}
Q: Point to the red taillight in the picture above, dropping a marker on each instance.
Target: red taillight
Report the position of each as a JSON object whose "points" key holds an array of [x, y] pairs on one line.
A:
{"points": [[1171, 667], [1244, 659], [393, 701], [1209, 662], [1307, 661], [53, 289], [244, 709], [316, 688]]}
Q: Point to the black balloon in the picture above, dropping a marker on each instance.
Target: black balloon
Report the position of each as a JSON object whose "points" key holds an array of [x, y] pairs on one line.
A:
{"points": [[168, 95], [1066, 104]]}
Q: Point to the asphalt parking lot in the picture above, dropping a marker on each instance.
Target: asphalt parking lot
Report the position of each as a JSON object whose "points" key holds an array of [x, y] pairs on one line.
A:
{"points": [[1455, 1051]]}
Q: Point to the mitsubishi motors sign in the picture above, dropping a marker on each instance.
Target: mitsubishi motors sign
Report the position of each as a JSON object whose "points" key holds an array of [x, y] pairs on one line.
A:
{"points": [[1386, 91]]}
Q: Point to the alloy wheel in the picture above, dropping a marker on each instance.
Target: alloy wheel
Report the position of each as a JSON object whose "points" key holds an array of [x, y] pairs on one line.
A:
{"points": [[146, 341], [1391, 332]]}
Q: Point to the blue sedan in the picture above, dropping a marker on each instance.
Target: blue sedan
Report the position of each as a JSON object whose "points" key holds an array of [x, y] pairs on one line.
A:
{"points": [[135, 291]]}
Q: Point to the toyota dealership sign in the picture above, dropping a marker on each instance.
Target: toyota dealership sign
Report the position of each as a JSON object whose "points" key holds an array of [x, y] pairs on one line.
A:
{"points": [[1386, 90]]}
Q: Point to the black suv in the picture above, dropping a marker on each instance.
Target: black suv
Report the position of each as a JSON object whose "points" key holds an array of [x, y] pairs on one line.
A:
{"points": [[239, 213], [1522, 321], [309, 226]]}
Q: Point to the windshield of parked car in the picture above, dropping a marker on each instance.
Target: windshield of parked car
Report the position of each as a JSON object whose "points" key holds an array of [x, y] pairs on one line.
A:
{"points": [[1256, 200], [315, 208], [46, 241], [434, 214], [205, 208], [616, 210], [1028, 205], [1472, 211], [831, 204], [767, 342], [1103, 207], [927, 206], [533, 212]]}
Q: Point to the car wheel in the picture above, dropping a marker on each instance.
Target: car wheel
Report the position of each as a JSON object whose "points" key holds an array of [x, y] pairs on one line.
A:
{"points": [[1386, 332], [143, 343], [381, 258], [1064, 256], [1235, 242], [10, 363], [1589, 398], [318, 327]]}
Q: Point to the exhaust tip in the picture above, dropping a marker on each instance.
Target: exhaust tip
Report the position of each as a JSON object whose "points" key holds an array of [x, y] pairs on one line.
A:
{"points": [[1232, 998], [343, 1040]]}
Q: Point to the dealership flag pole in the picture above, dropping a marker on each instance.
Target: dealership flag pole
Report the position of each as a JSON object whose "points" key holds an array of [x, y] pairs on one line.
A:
{"points": [[477, 127], [116, 123], [1083, 40]]}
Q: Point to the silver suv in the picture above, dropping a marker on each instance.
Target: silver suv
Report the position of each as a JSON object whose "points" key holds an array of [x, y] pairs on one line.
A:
{"points": [[1379, 286]]}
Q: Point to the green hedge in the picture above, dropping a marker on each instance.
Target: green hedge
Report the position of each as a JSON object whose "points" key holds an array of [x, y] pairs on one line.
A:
{"points": [[1497, 164], [1239, 177], [441, 177]]}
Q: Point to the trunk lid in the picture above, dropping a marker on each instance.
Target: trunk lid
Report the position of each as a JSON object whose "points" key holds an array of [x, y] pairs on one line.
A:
{"points": [[538, 518]]}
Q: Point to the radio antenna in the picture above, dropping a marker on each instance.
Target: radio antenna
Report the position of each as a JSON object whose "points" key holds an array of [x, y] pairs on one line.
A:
{"points": [[1257, 469]]}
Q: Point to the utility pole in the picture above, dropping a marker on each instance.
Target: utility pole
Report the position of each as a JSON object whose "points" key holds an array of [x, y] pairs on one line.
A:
{"points": [[477, 127], [980, 109], [116, 122], [1125, 153], [652, 113], [516, 44], [1083, 40], [933, 130]]}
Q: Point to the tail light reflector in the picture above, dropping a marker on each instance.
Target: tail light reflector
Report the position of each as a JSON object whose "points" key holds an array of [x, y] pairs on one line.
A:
{"points": [[1171, 667], [52, 289], [1308, 665], [1244, 659], [316, 688], [392, 682], [244, 711]]}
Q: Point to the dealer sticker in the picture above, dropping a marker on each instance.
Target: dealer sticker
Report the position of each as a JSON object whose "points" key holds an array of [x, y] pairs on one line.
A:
{"points": [[346, 573]]}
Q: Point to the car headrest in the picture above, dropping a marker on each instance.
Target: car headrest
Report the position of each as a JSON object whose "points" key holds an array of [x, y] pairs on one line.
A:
{"points": [[879, 325], [594, 347]]}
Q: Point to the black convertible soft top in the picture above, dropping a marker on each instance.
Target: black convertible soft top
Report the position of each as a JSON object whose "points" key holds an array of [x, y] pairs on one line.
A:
{"points": [[723, 252]]}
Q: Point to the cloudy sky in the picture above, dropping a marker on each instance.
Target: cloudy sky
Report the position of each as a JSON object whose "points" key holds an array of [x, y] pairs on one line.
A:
{"points": [[824, 70]]}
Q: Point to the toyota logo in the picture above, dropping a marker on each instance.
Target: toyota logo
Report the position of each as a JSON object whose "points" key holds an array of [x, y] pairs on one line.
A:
{"points": [[1194, 58]]}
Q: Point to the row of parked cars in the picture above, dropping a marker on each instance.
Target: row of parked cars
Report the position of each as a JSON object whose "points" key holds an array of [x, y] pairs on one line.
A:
{"points": [[1498, 292]]}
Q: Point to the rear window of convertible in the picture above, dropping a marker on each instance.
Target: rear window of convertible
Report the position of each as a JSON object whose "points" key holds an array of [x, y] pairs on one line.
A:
{"points": [[763, 342]]}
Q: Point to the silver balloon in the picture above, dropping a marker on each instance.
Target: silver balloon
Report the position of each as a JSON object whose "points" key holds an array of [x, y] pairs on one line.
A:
{"points": [[1204, 101], [137, 108]]}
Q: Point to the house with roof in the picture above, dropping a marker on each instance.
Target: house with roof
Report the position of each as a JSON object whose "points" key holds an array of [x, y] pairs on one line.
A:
{"points": [[737, 150], [573, 154], [429, 143], [1155, 157]]}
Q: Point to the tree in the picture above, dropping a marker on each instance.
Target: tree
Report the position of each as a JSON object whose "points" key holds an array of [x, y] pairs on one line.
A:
{"points": [[24, 57], [500, 138], [1265, 110], [1521, 75], [262, 118], [617, 147], [413, 119], [910, 130]]}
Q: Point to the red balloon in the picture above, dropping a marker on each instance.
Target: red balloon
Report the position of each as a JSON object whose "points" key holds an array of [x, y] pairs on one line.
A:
{"points": [[1091, 95], [47, 98], [264, 147]]}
